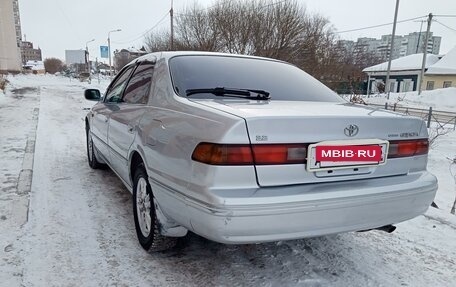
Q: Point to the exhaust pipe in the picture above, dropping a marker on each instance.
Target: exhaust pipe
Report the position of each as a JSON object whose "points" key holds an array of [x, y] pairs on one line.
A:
{"points": [[387, 228]]}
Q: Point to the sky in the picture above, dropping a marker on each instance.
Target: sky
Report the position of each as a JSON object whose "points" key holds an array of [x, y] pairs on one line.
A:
{"points": [[59, 25]]}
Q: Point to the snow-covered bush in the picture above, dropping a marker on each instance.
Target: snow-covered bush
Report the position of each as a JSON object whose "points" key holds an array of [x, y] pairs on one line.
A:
{"points": [[3, 83]]}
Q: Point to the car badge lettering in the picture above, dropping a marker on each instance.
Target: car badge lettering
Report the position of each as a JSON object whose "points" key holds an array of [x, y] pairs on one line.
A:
{"points": [[351, 130]]}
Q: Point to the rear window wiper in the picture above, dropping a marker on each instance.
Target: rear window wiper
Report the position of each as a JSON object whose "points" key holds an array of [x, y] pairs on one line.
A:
{"points": [[229, 92]]}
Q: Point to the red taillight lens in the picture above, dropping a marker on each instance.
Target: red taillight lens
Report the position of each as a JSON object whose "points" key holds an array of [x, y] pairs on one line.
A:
{"points": [[407, 148], [265, 154], [223, 154]]}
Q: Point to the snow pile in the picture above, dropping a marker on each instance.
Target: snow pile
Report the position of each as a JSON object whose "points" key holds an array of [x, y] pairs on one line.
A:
{"points": [[34, 65], [48, 80], [439, 99], [440, 164], [2, 97]]}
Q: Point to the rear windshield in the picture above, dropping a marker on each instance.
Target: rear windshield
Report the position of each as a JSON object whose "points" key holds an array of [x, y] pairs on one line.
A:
{"points": [[283, 81]]}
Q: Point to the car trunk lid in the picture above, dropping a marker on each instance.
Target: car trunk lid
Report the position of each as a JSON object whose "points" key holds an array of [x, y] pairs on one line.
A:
{"points": [[281, 122]]}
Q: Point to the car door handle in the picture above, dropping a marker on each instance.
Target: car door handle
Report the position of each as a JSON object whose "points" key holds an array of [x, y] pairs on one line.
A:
{"points": [[130, 128]]}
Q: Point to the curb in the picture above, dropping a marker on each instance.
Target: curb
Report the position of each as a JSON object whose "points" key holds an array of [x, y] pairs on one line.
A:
{"points": [[24, 183]]}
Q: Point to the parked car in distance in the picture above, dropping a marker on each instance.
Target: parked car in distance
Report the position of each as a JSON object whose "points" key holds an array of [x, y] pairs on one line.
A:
{"points": [[242, 149]]}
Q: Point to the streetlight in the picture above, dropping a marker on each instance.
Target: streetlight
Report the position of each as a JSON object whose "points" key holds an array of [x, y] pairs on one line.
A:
{"points": [[87, 56], [109, 49]]}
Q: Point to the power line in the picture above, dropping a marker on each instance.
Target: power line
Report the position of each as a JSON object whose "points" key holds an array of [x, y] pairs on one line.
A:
{"points": [[380, 25], [68, 20], [445, 25], [145, 32], [454, 16]]}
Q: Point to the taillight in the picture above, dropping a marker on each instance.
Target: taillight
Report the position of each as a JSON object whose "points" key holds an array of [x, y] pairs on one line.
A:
{"points": [[405, 148], [264, 154], [223, 154]]}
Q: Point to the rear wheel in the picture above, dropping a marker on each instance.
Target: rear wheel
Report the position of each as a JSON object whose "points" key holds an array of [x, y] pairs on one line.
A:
{"points": [[146, 223], [91, 158]]}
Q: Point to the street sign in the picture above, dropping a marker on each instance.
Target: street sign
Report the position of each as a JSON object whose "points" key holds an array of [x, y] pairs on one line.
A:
{"points": [[104, 52]]}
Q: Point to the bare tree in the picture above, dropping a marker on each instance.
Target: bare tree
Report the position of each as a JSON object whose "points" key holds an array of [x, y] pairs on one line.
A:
{"points": [[53, 65], [159, 41], [435, 132], [196, 30], [282, 30]]}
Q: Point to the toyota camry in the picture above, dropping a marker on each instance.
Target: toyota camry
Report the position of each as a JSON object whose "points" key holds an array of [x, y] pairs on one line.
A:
{"points": [[242, 149]]}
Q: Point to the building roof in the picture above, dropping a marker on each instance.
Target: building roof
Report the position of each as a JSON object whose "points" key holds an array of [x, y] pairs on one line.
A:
{"points": [[446, 65], [407, 63]]}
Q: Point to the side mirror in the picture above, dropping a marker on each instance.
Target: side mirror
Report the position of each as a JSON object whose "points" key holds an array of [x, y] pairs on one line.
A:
{"points": [[92, 95]]}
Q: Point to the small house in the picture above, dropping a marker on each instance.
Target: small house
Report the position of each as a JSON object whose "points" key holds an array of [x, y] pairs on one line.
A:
{"points": [[404, 73]]}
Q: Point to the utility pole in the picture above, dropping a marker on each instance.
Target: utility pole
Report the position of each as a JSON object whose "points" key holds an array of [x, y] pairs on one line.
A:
{"points": [[387, 84], [423, 64], [87, 57], [419, 35], [96, 66], [109, 50], [171, 12]]}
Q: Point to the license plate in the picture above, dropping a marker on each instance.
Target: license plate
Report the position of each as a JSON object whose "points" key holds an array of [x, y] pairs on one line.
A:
{"points": [[346, 154]]}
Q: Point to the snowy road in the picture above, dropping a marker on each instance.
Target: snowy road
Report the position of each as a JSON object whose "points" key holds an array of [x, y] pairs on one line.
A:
{"points": [[81, 233]]}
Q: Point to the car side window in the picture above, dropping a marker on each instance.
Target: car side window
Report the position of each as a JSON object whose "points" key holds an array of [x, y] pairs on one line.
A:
{"points": [[138, 87], [115, 91]]}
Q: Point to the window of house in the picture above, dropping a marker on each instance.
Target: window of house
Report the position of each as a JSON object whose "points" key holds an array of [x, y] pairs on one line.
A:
{"points": [[393, 86], [447, 84], [406, 85], [430, 85]]}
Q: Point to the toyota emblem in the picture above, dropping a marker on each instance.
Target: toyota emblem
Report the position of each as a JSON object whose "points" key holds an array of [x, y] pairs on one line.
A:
{"points": [[351, 130]]}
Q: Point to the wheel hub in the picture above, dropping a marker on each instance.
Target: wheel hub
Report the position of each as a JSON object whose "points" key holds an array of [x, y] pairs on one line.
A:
{"points": [[143, 207]]}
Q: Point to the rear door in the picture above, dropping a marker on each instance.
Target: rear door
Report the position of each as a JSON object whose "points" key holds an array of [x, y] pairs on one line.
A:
{"points": [[102, 112], [127, 115]]}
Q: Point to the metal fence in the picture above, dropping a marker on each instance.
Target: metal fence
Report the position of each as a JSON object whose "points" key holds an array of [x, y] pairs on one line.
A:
{"points": [[443, 118]]}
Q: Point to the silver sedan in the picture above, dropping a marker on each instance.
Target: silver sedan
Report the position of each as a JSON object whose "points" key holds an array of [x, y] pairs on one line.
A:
{"points": [[242, 149]]}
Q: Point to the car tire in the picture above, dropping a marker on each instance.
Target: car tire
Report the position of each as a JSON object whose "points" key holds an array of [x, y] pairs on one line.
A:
{"points": [[146, 223], [91, 158]]}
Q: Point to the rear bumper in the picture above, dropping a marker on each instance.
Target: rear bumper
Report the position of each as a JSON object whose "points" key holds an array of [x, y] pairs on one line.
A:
{"points": [[292, 212]]}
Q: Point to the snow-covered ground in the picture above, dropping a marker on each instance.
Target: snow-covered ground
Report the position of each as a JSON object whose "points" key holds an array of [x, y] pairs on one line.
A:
{"points": [[439, 99], [80, 229]]}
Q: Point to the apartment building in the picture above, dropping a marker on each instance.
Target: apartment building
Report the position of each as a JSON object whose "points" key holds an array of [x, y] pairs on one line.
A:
{"points": [[29, 53], [410, 44], [10, 37]]}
